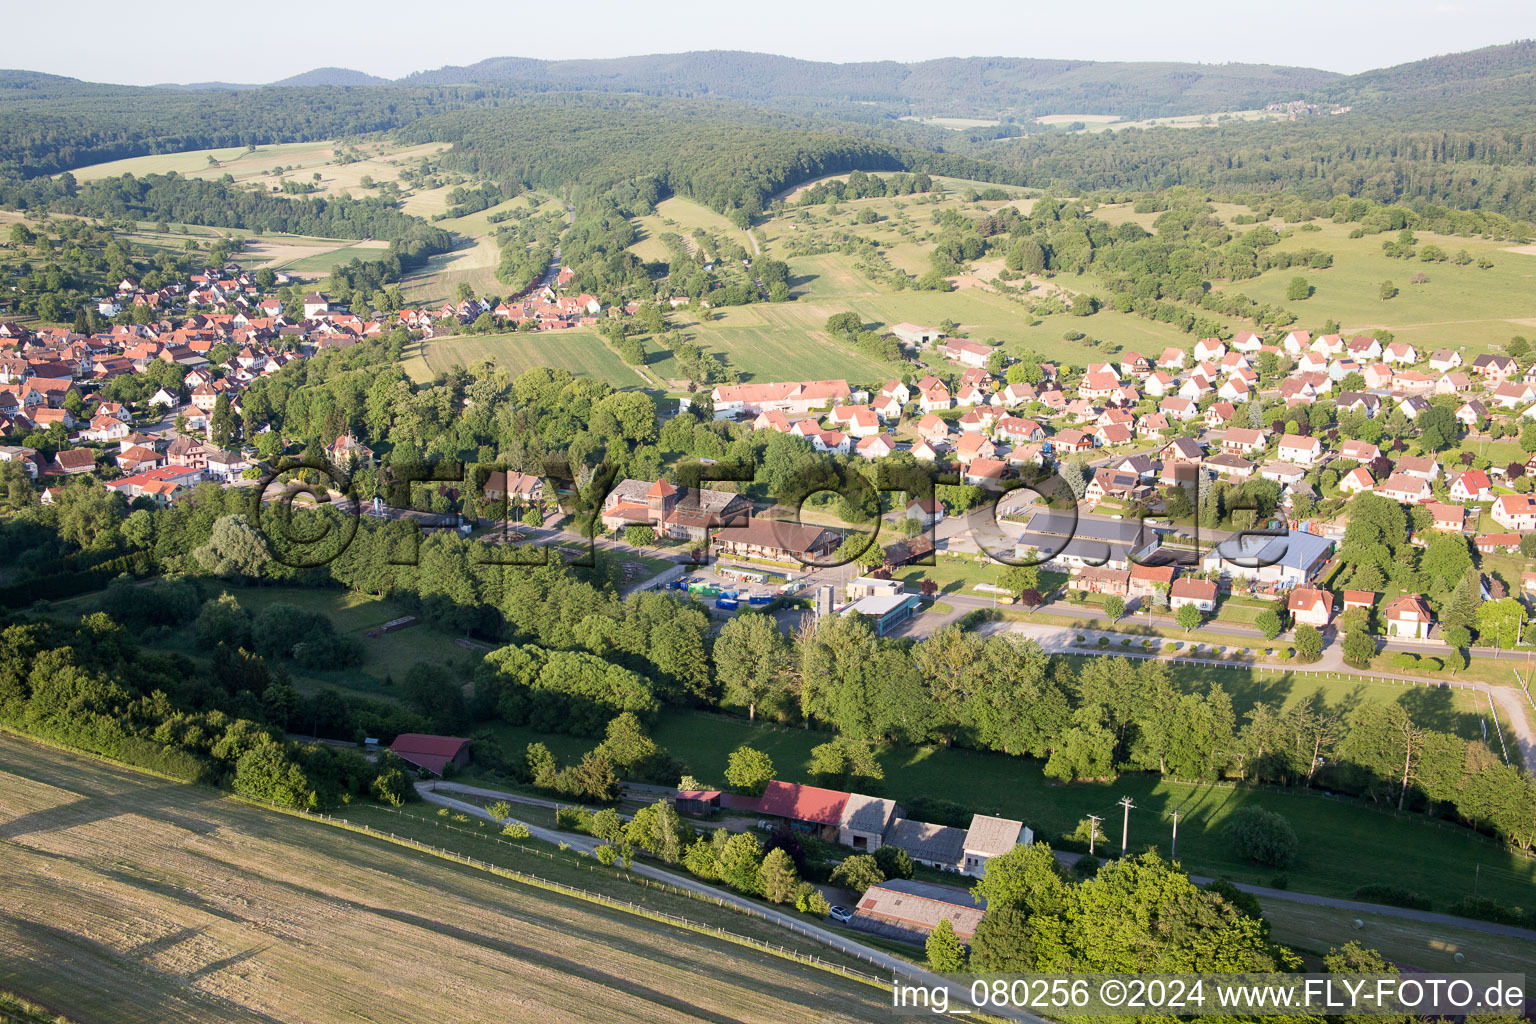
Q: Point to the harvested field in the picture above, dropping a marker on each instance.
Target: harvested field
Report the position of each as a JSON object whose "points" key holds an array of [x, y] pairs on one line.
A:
{"points": [[134, 899]]}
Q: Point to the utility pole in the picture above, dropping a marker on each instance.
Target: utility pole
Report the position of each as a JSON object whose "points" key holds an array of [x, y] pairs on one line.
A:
{"points": [[1173, 849], [1125, 828], [1093, 831]]}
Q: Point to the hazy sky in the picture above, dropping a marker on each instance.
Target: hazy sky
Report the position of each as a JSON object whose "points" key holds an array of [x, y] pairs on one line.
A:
{"points": [[162, 41]]}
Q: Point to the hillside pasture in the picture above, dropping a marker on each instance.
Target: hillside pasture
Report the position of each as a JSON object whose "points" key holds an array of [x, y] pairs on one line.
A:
{"points": [[319, 264], [1460, 307], [237, 161], [129, 898], [578, 350]]}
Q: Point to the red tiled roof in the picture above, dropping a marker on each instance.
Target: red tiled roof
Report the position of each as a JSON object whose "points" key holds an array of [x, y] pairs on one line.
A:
{"points": [[430, 752], [802, 803]]}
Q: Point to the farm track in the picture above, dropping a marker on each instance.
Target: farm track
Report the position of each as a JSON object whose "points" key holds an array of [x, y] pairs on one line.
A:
{"points": [[130, 899]]}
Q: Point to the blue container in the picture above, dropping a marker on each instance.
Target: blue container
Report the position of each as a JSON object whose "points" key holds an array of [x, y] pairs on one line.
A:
{"points": [[728, 603]]}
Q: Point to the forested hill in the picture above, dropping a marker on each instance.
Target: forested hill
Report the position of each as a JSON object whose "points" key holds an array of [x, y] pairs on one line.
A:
{"points": [[1437, 81], [50, 124], [983, 86], [730, 158]]}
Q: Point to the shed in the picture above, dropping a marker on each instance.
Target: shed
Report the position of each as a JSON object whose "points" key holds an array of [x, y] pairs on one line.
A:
{"points": [[697, 801], [908, 910]]}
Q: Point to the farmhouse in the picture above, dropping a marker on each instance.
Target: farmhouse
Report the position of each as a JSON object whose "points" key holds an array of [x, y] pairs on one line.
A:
{"points": [[864, 821], [793, 398], [936, 846], [966, 353], [990, 837], [915, 335]]}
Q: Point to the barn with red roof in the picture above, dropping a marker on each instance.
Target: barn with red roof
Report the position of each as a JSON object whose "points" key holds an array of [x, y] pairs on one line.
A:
{"points": [[808, 808], [431, 753]]}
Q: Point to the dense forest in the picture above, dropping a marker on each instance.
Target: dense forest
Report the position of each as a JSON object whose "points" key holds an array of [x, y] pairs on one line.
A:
{"points": [[728, 158], [50, 124], [980, 86]]}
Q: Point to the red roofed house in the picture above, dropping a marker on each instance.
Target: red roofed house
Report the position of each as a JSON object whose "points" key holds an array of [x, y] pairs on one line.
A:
{"points": [[807, 808], [1310, 606], [1408, 616], [1515, 512], [1359, 599], [1473, 485], [1447, 518], [432, 754]]}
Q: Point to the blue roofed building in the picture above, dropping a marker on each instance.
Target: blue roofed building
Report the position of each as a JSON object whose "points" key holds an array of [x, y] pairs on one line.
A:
{"points": [[1282, 559]]}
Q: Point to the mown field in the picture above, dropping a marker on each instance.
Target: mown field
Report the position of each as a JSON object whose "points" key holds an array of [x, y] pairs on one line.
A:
{"points": [[132, 899], [578, 350], [1313, 931], [1346, 843]]}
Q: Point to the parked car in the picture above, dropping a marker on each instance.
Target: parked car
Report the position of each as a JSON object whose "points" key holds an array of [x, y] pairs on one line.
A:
{"points": [[840, 914]]}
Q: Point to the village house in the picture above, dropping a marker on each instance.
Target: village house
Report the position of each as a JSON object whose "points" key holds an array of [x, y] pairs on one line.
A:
{"points": [[1472, 415], [1303, 451], [984, 472], [1444, 360], [1425, 467], [1187, 590], [1446, 518], [1108, 483], [513, 487], [1472, 486], [1310, 606], [1515, 512], [1098, 580], [1408, 617], [1495, 367], [1146, 580], [1242, 440], [1405, 489]]}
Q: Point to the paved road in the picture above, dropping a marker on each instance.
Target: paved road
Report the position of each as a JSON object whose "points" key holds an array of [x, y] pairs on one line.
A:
{"points": [[885, 961]]}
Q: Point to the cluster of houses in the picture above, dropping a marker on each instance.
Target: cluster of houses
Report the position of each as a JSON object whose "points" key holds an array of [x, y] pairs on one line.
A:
{"points": [[866, 823]]}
